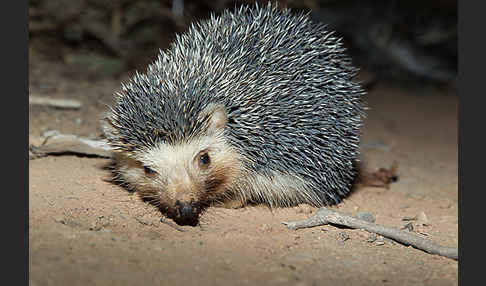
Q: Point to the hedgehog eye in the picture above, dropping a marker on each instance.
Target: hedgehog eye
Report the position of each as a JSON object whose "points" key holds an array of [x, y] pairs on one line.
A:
{"points": [[204, 160], [148, 171]]}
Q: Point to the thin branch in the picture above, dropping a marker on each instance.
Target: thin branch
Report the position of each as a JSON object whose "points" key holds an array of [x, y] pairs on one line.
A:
{"points": [[54, 102], [326, 216], [58, 143]]}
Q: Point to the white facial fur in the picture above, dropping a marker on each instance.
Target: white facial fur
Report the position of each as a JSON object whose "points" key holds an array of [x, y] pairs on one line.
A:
{"points": [[178, 175]]}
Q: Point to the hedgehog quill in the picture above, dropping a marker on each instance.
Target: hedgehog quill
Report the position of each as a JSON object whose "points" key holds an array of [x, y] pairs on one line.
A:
{"points": [[257, 105]]}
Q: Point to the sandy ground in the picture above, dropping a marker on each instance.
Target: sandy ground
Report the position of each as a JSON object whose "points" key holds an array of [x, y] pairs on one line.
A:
{"points": [[84, 230]]}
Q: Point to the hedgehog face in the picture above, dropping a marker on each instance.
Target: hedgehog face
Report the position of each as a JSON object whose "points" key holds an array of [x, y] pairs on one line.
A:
{"points": [[183, 179]]}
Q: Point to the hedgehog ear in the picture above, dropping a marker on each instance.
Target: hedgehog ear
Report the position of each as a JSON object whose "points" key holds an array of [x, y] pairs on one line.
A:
{"points": [[217, 116]]}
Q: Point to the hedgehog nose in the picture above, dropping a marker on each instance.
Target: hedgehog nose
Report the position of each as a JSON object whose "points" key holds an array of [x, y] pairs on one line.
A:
{"points": [[186, 213]]}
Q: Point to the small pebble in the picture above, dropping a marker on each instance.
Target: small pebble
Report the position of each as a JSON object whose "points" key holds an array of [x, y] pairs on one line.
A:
{"points": [[342, 236], [422, 219], [372, 238]]}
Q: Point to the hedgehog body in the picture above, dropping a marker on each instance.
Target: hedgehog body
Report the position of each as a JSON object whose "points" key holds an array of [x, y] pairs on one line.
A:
{"points": [[255, 105]]}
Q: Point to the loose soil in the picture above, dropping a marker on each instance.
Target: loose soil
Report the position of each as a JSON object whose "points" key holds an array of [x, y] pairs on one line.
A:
{"points": [[84, 230]]}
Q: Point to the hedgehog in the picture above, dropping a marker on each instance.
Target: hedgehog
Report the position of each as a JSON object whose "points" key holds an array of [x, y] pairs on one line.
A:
{"points": [[257, 105]]}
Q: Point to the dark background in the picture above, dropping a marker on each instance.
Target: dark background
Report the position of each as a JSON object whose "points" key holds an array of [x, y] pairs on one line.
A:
{"points": [[397, 41]]}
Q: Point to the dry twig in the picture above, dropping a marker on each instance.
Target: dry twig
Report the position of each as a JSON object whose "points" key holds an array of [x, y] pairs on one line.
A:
{"points": [[54, 102], [57, 143], [381, 178], [326, 216]]}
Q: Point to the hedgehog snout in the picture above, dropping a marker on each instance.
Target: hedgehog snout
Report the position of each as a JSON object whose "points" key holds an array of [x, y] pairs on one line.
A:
{"points": [[185, 208], [186, 213]]}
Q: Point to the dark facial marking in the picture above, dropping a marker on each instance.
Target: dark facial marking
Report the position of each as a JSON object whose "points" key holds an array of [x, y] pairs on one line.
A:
{"points": [[148, 171]]}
